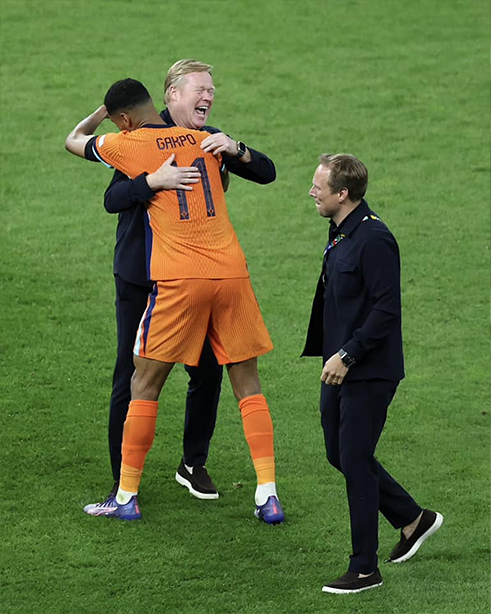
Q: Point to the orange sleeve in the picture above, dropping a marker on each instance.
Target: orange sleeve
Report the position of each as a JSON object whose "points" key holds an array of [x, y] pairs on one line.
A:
{"points": [[108, 147]]}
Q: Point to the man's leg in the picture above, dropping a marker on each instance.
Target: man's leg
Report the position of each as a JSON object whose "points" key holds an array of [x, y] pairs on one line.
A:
{"points": [[258, 430], [395, 503], [203, 394], [353, 416], [363, 411], [131, 301], [201, 412]]}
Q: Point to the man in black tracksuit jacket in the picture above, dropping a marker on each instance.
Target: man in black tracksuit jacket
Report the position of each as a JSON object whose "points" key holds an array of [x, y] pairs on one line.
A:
{"points": [[128, 198], [355, 326]]}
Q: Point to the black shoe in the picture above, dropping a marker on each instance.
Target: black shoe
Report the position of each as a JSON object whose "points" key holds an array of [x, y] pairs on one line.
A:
{"points": [[198, 483], [429, 523], [351, 583]]}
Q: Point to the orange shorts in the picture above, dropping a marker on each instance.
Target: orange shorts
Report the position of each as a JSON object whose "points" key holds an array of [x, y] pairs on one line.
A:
{"points": [[181, 313]]}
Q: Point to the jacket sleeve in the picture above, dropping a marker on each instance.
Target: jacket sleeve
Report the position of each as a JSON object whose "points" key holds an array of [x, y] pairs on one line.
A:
{"points": [[260, 169], [125, 193], [381, 275]]}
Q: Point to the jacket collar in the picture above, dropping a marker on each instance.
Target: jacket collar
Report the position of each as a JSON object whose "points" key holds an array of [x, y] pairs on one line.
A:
{"points": [[165, 115], [354, 218]]}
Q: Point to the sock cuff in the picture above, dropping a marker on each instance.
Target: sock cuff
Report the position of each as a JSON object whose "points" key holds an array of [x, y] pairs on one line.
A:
{"points": [[253, 403], [139, 407]]}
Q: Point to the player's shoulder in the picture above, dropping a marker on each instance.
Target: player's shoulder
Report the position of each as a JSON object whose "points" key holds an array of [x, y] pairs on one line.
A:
{"points": [[111, 137]]}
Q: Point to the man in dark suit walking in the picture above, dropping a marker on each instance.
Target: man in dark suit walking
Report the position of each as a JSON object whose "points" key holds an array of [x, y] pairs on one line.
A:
{"points": [[356, 326]]}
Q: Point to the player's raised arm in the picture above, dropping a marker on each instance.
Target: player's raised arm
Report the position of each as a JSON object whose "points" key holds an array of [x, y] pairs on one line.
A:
{"points": [[84, 131]]}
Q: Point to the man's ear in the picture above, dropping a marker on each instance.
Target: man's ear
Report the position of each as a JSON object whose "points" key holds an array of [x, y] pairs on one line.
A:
{"points": [[126, 122], [172, 93], [343, 195]]}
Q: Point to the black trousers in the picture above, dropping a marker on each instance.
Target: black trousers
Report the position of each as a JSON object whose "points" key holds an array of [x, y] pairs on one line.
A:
{"points": [[203, 388], [353, 416]]}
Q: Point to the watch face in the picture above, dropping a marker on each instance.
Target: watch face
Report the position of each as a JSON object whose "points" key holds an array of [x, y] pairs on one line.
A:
{"points": [[241, 149], [346, 359]]}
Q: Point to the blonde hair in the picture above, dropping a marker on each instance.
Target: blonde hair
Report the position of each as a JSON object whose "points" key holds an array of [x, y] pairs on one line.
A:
{"points": [[179, 70], [346, 172]]}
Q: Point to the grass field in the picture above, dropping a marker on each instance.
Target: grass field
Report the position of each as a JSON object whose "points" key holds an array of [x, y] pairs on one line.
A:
{"points": [[402, 84]]}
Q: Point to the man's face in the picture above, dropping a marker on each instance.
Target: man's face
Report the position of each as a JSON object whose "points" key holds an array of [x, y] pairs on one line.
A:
{"points": [[191, 101], [327, 202]]}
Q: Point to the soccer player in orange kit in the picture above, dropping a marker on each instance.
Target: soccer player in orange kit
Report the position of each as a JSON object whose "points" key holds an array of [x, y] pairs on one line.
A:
{"points": [[202, 286]]}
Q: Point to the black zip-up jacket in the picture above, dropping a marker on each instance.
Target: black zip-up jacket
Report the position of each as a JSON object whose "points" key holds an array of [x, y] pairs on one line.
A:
{"points": [[127, 197], [357, 304]]}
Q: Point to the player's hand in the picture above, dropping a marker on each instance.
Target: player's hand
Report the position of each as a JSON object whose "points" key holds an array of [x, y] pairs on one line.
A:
{"points": [[219, 143], [334, 371], [169, 177]]}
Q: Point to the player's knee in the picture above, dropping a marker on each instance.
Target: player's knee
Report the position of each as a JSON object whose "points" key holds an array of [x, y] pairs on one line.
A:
{"points": [[244, 378], [146, 383], [145, 387]]}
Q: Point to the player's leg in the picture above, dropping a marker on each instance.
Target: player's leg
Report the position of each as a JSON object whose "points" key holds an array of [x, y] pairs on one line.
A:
{"points": [[139, 432], [258, 430], [238, 336], [131, 301], [139, 428], [201, 412], [171, 330]]}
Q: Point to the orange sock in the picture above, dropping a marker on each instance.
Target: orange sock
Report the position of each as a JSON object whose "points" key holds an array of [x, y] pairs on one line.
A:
{"points": [[258, 430], [138, 435]]}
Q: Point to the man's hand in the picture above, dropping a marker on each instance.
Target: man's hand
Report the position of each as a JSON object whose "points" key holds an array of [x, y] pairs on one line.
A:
{"points": [[82, 133], [221, 143], [334, 371], [169, 177]]}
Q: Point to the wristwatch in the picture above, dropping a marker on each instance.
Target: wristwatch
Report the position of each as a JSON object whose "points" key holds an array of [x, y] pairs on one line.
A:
{"points": [[241, 149], [346, 359]]}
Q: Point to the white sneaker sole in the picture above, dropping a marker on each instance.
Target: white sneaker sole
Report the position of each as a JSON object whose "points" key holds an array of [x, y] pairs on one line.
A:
{"points": [[195, 493], [419, 542], [341, 591]]}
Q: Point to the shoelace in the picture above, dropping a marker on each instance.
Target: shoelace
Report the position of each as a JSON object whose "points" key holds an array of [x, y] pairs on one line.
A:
{"points": [[109, 502]]}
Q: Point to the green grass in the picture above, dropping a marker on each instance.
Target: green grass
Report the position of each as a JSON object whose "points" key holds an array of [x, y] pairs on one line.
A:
{"points": [[403, 85]]}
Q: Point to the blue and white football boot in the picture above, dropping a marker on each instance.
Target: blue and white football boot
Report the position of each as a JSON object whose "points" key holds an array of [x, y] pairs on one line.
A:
{"points": [[112, 509], [271, 512]]}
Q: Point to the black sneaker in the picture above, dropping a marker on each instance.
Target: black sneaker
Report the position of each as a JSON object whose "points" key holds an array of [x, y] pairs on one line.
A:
{"points": [[429, 523], [198, 483], [351, 583]]}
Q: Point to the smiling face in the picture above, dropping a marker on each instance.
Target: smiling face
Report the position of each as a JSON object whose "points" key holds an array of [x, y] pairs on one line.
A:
{"points": [[190, 100], [328, 203]]}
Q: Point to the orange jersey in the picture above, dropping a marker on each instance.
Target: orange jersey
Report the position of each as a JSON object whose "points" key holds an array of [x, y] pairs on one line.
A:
{"points": [[189, 233]]}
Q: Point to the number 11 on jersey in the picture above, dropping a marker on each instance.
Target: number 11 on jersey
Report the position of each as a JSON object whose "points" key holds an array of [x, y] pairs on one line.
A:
{"points": [[181, 194]]}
